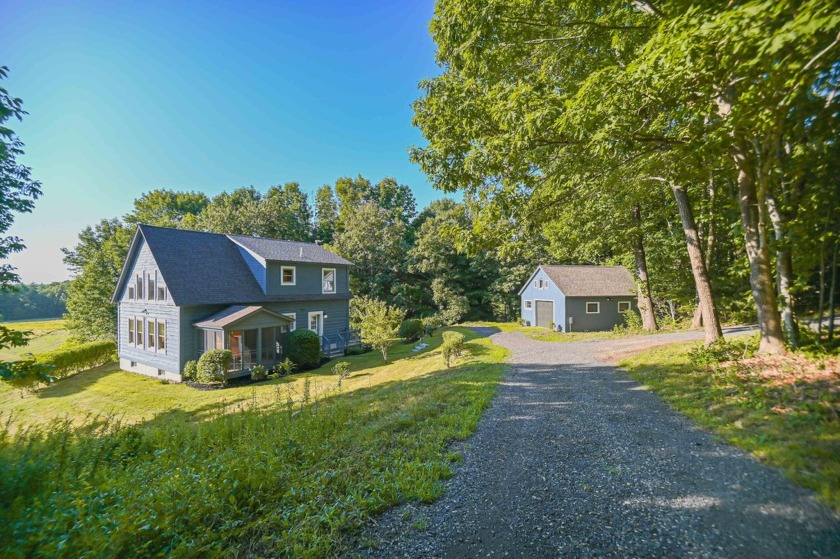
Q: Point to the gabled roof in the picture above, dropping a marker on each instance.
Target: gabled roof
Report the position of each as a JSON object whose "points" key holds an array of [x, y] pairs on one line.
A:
{"points": [[234, 314], [201, 268], [589, 281], [288, 251]]}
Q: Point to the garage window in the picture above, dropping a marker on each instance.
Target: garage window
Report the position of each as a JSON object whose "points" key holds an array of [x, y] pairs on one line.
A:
{"points": [[623, 306], [593, 308], [529, 305]]}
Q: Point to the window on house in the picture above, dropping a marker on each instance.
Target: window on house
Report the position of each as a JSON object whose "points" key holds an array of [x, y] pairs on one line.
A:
{"points": [[593, 308], [131, 331], [623, 306], [161, 292], [139, 284], [139, 331], [161, 372], [529, 305], [540, 282], [151, 327], [287, 275], [161, 335], [131, 292], [220, 342], [150, 292], [133, 364], [328, 280]]}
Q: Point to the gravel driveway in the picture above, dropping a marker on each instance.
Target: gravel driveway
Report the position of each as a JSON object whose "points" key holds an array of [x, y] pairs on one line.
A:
{"points": [[573, 459]]}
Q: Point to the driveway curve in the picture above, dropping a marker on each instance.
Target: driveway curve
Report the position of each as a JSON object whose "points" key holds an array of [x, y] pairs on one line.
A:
{"points": [[574, 459]]}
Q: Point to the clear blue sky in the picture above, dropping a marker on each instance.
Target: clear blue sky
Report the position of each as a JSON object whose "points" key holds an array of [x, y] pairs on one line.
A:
{"points": [[125, 97]]}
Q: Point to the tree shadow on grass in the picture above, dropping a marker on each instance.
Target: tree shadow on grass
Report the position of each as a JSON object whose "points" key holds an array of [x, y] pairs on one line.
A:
{"points": [[77, 382]]}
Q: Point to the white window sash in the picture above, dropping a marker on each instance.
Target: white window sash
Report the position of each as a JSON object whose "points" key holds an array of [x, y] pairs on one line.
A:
{"points": [[283, 281]]}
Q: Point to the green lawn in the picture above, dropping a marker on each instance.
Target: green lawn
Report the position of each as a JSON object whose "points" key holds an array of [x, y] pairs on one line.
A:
{"points": [[291, 467], [783, 411], [546, 335], [47, 335]]}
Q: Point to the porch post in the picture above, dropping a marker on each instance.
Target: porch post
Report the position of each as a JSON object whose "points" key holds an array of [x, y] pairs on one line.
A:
{"points": [[259, 345]]}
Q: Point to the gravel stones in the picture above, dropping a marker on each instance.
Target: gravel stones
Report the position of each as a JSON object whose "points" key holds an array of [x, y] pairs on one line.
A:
{"points": [[574, 459]]}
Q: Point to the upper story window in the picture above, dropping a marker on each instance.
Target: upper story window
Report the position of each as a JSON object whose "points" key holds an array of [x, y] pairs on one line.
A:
{"points": [[139, 284], [150, 292], [328, 280], [161, 292], [541, 284], [288, 275], [131, 291]]}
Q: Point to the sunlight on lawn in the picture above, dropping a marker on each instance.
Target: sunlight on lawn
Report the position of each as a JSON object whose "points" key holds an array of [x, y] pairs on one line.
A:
{"points": [[107, 391]]}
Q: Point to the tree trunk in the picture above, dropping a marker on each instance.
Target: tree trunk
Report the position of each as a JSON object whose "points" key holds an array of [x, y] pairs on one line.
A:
{"points": [[784, 272], [831, 301], [821, 307], [645, 301], [758, 254], [698, 265], [697, 319]]}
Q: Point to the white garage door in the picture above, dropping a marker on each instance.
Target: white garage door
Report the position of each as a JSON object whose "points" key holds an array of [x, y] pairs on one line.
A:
{"points": [[545, 313]]}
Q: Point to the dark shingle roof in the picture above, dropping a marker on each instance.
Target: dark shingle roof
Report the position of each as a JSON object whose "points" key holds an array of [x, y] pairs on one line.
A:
{"points": [[234, 314], [289, 251], [207, 268], [201, 268], [592, 281]]}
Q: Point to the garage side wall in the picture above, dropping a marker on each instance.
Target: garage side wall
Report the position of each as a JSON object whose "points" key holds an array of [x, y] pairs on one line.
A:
{"points": [[607, 317], [549, 292]]}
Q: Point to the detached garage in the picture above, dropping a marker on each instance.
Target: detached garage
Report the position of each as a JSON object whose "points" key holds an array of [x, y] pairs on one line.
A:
{"points": [[578, 298]]}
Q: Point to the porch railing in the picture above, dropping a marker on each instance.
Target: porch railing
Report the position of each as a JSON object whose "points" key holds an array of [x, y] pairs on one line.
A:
{"points": [[331, 345], [246, 360]]}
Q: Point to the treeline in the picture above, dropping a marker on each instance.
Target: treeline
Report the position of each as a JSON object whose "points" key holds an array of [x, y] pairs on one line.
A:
{"points": [[34, 300], [415, 260], [694, 141]]}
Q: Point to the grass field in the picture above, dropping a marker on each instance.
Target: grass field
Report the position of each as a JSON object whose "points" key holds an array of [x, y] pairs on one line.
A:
{"points": [[546, 335], [290, 468], [785, 411], [47, 335]]}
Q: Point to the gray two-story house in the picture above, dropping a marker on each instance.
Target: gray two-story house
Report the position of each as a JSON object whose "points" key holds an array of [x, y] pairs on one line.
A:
{"points": [[182, 293]]}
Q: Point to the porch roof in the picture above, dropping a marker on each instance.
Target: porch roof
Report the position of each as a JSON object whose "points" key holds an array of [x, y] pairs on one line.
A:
{"points": [[234, 314]]}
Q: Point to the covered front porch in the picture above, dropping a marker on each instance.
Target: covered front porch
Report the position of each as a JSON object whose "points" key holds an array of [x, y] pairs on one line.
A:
{"points": [[253, 334]]}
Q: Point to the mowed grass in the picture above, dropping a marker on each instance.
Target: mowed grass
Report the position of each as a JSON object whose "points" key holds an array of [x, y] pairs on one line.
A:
{"points": [[255, 471], [784, 415], [546, 335], [47, 335]]}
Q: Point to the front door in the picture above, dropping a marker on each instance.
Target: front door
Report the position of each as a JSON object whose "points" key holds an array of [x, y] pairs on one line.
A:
{"points": [[545, 313], [316, 322]]}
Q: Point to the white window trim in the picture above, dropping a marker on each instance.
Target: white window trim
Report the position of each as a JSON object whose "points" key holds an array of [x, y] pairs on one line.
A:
{"points": [[335, 280], [529, 305], [139, 322], [598, 303], [157, 336], [130, 334], [294, 275], [629, 306], [151, 330], [321, 322]]}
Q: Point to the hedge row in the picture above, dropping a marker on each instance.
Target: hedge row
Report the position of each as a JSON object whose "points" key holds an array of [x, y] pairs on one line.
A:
{"points": [[78, 358]]}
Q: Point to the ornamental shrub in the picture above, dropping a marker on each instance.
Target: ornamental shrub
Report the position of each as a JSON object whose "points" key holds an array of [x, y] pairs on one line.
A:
{"points": [[190, 371], [259, 373], [213, 365], [284, 368], [65, 361], [411, 329], [453, 346], [305, 348], [430, 324]]}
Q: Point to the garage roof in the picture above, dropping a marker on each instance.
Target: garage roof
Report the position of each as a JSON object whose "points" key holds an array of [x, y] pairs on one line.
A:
{"points": [[592, 281]]}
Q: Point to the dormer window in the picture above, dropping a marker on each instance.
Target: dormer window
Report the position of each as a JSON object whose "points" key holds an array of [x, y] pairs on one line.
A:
{"points": [[328, 280], [287, 275]]}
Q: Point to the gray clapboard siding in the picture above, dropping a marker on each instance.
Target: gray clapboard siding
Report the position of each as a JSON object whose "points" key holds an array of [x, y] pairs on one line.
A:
{"points": [[307, 281], [606, 319]]}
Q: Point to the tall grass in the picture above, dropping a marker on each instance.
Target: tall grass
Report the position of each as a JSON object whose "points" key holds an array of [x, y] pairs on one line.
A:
{"points": [[292, 479]]}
